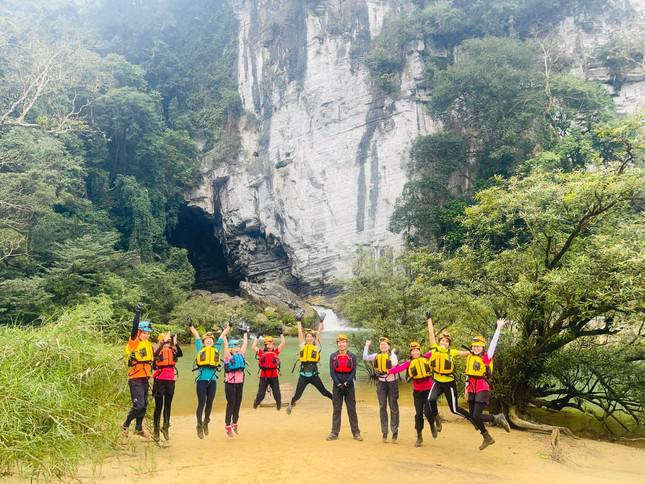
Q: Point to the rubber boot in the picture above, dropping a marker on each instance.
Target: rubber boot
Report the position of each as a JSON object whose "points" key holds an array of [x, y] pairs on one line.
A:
{"points": [[155, 434], [419, 441], [200, 431], [500, 421], [488, 440], [205, 427], [437, 421], [433, 429], [164, 432]]}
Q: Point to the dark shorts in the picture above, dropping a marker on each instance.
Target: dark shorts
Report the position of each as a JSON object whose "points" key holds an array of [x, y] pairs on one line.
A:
{"points": [[479, 397]]}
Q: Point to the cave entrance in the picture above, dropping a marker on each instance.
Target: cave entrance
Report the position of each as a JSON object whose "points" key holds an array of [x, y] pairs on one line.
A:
{"points": [[195, 232]]}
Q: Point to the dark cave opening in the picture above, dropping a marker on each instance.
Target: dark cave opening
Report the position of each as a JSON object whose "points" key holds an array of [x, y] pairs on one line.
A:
{"points": [[195, 231]]}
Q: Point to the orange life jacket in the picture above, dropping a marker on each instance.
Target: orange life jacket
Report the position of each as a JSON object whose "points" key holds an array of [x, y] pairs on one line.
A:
{"points": [[166, 357]]}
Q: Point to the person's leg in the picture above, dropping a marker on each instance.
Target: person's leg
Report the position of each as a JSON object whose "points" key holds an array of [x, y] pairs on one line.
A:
{"points": [[143, 392], [337, 406], [418, 409], [303, 381], [158, 395], [262, 390], [381, 394], [320, 386], [393, 400], [210, 397], [229, 391], [275, 389], [201, 399], [350, 401], [453, 403], [435, 392], [239, 388], [476, 415]]}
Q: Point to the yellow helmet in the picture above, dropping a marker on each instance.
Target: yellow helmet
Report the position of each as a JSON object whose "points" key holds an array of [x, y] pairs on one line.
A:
{"points": [[341, 337], [385, 339], [445, 334], [268, 339], [163, 337], [414, 345], [208, 334], [478, 341]]}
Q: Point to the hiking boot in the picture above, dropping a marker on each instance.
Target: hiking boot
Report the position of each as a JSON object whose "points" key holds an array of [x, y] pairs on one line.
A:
{"points": [[200, 431], [124, 431], [433, 429], [229, 431], [395, 437], [332, 436], [155, 434], [164, 432], [289, 408], [255, 405], [234, 426], [205, 427], [488, 440], [419, 441], [142, 433], [500, 421], [437, 422], [385, 438], [358, 437]]}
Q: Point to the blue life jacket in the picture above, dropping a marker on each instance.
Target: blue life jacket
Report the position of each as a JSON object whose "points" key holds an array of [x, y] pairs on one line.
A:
{"points": [[236, 363]]}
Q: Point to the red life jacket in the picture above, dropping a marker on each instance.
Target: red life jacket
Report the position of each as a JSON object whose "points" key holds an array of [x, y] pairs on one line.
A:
{"points": [[269, 361], [342, 363], [166, 357]]}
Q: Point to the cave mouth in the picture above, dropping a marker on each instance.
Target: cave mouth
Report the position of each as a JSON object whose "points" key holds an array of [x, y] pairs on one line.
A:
{"points": [[195, 232]]}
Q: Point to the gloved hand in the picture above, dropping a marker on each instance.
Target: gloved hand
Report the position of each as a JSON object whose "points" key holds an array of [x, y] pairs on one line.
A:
{"points": [[299, 314], [190, 323], [428, 313], [139, 307], [281, 330]]}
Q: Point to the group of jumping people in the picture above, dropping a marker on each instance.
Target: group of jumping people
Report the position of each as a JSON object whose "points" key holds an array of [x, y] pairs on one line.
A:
{"points": [[432, 374]]}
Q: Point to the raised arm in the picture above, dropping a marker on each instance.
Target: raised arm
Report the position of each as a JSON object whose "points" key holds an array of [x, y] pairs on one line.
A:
{"points": [[254, 345], [282, 341], [135, 321], [366, 351], [493, 342], [177, 347], [193, 330], [245, 342], [321, 328], [301, 336], [225, 351], [431, 337]]}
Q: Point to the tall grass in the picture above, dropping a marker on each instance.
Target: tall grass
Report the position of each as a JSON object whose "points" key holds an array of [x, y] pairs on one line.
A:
{"points": [[62, 394]]}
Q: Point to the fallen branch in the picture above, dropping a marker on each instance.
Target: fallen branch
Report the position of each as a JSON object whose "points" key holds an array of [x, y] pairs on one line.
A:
{"points": [[523, 424]]}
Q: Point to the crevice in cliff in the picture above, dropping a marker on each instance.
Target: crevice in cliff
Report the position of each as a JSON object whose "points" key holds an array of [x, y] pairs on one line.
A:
{"points": [[195, 232]]}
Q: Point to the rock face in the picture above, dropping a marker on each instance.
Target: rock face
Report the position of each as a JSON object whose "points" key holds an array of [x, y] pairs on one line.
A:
{"points": [[323, 154]]}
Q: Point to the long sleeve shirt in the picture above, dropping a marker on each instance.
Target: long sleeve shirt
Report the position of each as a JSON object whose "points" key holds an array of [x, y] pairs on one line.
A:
{"points": [[372, 356], [340, 378], [476, 385]]}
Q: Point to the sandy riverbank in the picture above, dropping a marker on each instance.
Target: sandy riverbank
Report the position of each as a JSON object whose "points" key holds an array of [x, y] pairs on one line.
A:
{"points": [[279, 448]]}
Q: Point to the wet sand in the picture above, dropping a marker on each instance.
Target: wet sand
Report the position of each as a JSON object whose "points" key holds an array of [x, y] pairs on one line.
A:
{"points": [[275, 447]]}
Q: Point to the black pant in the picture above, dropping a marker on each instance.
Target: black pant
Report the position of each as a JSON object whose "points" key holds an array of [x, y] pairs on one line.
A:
{"points": [[139, 395], [476, 404], [205, 396], [233, 393], [388, 392], [274, 383], [314, 380], [162, 391], [349, 395], [450, 390], [422, 408]]}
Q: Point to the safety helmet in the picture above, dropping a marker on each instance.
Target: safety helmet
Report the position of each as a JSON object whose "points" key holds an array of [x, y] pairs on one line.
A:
{"points": [[268, 339], [385, 339], [445, 334], [414, 345], [145, 326], [478, 341], [209, 334], [233, 343], [341, 337], [163, 338]]}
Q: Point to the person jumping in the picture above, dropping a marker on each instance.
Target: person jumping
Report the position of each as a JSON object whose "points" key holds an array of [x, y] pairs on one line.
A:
{"points": [[163, 386], [234, 366], [269, 362]]}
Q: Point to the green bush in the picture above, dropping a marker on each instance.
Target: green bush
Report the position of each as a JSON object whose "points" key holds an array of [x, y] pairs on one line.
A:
{"points": [[62, 394]]}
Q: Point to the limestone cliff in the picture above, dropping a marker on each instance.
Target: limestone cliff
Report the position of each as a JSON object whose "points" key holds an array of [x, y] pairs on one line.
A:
{"points": [[322, 155]]}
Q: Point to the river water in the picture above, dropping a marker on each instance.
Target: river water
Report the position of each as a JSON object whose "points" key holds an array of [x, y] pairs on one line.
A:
{"points": [[185, 400]]}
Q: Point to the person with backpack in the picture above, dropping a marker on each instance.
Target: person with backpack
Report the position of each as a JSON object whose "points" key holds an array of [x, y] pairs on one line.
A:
{"points": [[207, 363], [418, 370], [269, 362], [140, 352], [387, 387], [479, 365], [443, 373], [163, 386], [342, 367], [234, 368], [309, 356]]}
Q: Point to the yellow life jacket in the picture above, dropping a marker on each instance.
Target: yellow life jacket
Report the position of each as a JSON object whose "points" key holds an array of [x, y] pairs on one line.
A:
{"points": [[419, 368], [309, 354], [142, 354], [442, 363], [208, 357], [382, 363], [475, 367]]}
